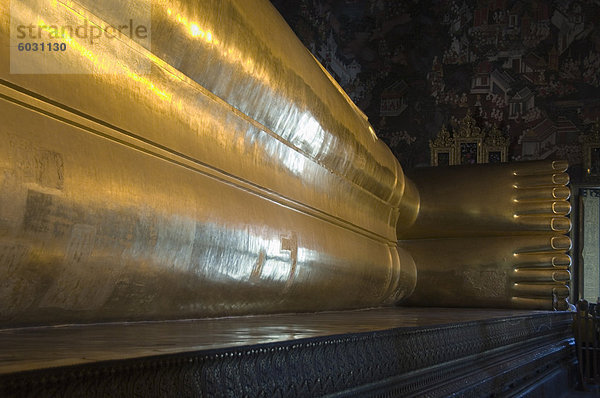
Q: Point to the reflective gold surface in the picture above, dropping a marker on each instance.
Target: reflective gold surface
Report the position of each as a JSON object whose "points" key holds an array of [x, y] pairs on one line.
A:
{"points": [[491, 236], [234, 177], [495, 199]]}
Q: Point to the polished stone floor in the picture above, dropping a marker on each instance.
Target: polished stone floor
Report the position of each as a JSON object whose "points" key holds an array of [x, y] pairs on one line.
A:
{"points": [[41, 347]]}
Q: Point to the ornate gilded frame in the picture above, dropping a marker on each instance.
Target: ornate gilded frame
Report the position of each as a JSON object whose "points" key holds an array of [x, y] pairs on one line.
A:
{"points": [[591, 152], [466, 132], [442, 144], [495, 141]]}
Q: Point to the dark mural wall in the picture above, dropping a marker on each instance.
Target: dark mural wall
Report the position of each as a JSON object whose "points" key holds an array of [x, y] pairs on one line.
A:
{"points": [[531, 68]]}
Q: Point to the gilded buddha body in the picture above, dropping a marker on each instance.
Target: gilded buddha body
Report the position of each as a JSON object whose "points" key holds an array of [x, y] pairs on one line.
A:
{"points": [[215, 168]]}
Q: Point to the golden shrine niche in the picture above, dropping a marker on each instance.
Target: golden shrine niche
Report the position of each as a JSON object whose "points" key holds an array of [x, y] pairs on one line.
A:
{"points": [[468, 144], [591, 152]]}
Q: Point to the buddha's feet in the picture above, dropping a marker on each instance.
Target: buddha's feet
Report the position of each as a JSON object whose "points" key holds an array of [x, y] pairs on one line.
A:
{"points": [[492, 236]]}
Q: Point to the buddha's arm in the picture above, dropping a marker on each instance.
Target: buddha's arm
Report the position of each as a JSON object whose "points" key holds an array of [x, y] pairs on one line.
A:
{"points": [[490, 235]]}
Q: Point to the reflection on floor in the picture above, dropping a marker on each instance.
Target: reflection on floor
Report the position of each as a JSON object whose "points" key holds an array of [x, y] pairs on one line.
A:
{"points": [[33, 348]]}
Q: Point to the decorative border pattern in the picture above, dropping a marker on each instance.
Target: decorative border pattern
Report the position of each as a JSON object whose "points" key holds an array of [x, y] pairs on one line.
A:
{"points": [[300, 368], [501, 370]]}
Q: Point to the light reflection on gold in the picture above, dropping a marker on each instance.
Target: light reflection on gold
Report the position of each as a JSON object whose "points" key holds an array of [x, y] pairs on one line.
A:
{"points": [[253, 186], [234, 54], [373, 134], [106, 64], [195, 30]]}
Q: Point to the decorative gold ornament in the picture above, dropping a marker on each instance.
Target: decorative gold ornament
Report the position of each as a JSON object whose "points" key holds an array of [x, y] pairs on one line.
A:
{"points": [[469, 144], [591, 151]]}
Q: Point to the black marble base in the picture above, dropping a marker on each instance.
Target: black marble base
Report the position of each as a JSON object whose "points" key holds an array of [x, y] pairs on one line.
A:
{"points": [[464, 352]]}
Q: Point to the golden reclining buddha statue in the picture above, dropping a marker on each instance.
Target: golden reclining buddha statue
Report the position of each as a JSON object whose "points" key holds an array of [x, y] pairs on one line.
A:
{"points": [[231, 176]]}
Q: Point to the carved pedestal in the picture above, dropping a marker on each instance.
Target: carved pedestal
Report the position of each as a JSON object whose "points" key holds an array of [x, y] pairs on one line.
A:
{"points": [[382, 352]]}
